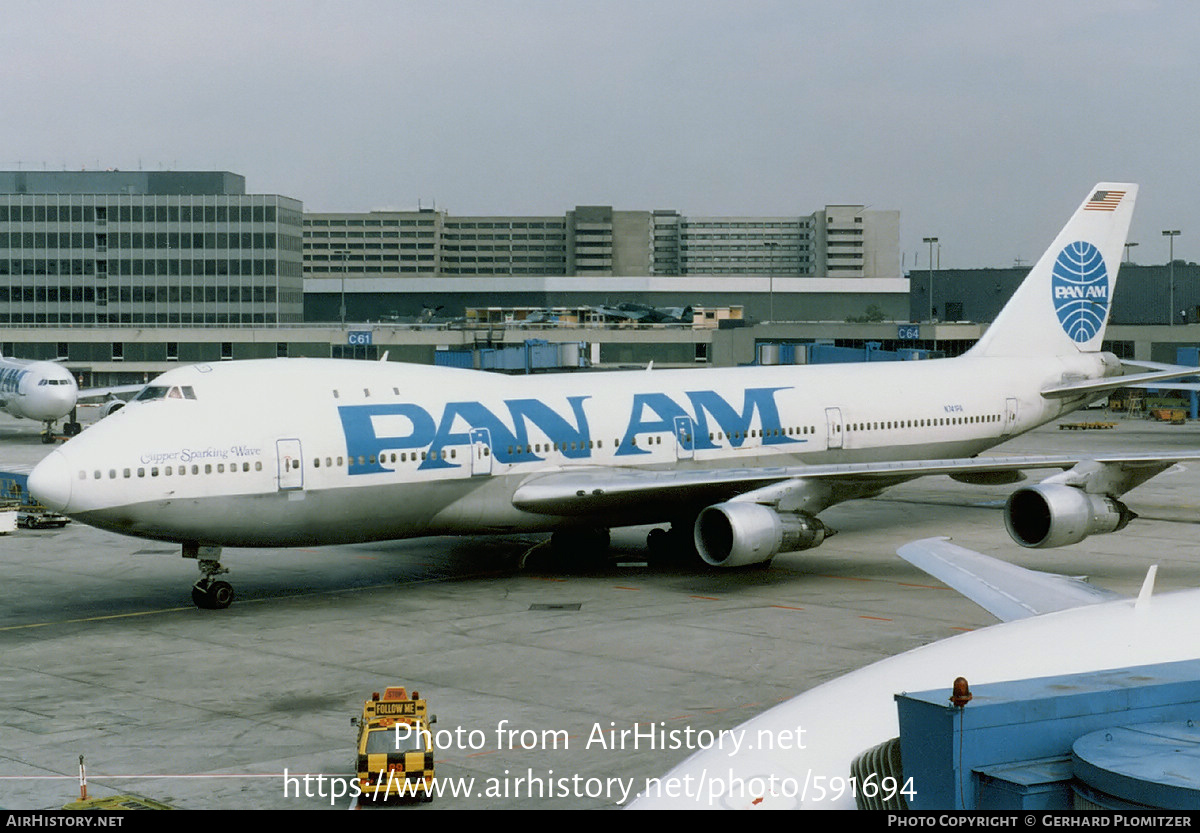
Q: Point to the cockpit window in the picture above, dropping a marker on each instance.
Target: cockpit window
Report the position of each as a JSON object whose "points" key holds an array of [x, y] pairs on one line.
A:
{"points": [[151, 392]]}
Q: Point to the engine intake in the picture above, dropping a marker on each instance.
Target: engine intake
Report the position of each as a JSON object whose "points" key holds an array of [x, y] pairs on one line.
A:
{"points": [[1051, 515], [738, 533], [111, 406]]}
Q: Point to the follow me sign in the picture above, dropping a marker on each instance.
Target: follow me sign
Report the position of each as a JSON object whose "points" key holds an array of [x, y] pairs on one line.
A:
{"points": [[416, 427]]}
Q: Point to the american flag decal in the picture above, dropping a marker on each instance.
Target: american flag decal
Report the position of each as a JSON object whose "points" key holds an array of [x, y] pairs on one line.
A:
{"points": [[1104, 201]]}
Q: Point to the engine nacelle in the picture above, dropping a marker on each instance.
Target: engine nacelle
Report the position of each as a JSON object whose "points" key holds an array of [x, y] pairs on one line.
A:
{"points": [[738, 533], [111, 406], [1052, 515]]}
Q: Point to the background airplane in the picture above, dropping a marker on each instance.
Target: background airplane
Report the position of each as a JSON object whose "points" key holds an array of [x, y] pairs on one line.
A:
{"points": [[1090, 629], [47, 392], [738, 461], [43, 391]]}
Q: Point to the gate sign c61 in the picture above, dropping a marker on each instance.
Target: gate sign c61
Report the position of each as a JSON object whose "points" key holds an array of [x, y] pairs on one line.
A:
{"points": [[908, 331], [358, 337]]}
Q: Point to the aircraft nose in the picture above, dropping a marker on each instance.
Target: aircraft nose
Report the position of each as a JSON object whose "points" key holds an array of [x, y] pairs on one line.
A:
{"points": [[50, 482]]}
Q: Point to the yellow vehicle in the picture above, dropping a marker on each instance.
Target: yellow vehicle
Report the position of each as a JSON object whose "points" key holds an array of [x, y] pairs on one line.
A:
{"points": [[395, 746]]}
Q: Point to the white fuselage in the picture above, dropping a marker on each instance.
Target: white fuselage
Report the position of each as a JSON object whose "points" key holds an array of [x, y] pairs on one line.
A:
{"points": [[306, 451], [845, 717], [44, 391]]}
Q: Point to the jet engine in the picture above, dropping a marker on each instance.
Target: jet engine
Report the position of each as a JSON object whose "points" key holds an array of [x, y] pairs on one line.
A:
{"points": [[111, 406], [1053, 515], [737, 533]]}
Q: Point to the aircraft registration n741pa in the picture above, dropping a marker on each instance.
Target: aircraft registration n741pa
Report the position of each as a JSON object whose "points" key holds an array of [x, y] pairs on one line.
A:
{"points": [[737, 461]]}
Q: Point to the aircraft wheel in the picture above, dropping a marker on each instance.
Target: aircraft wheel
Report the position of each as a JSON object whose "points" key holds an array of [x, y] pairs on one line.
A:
{"points": [[47, 438], [72, 429], [199, 597], [212, 595], [220, 594]]}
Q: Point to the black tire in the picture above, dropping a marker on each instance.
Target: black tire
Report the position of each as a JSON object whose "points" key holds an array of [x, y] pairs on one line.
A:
{"points": [[220, 595], [200, 597]]}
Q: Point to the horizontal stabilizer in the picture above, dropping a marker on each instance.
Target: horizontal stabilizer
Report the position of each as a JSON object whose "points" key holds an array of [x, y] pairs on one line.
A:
{"points": [[1004, 590], [1117, 382]]}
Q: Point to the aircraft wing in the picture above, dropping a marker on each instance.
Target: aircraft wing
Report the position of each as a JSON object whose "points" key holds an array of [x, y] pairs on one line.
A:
{"points": [[1004, 590], [1152, 365], [104, 393], [599, 491]]}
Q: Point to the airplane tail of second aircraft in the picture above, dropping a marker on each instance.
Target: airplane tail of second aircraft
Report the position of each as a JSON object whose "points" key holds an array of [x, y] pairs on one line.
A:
{"points": [[1062, 306]]}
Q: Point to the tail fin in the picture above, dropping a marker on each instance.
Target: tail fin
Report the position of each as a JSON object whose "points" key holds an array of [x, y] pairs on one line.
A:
{"points": [[1062, 306]]}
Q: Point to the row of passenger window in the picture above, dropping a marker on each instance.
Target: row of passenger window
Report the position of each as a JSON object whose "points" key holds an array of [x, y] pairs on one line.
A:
{"points": [[168, 471], [402, 457], [538, 448], [937, 422]]}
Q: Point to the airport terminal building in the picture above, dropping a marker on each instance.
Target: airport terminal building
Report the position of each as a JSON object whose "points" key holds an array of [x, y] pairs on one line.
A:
{"points": [[385, 265], [160, 248], [844, 241]]}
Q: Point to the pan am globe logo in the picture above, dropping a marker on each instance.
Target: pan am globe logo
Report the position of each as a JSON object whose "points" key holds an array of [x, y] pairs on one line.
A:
{"points": [[1079, 284]]}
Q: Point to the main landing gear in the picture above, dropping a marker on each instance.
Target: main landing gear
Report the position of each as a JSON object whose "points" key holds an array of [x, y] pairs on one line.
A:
{"points": [[209, 593], [570, 549], [71, 427], [675, 546]]}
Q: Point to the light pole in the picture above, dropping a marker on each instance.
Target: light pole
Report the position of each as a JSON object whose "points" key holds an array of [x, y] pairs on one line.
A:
{"points": [[1128, 246], [771, 247], [345, 254], [1171, 235], [931, 241]]}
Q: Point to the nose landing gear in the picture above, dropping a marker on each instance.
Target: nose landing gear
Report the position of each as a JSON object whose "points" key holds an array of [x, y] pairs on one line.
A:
{"points": [[209, 593], [212, 595]]}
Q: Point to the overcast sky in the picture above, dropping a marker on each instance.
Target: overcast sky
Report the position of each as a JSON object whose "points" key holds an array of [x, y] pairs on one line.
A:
{"points": [[984, 124]]}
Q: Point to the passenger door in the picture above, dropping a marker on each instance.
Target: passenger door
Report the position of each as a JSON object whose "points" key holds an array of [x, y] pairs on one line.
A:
{"points": [[481, 451], [290, 464], [685, 438]]}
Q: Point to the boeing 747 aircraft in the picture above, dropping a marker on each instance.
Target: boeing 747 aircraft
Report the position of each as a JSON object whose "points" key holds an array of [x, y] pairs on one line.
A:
{"points": [[739, 461]]}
